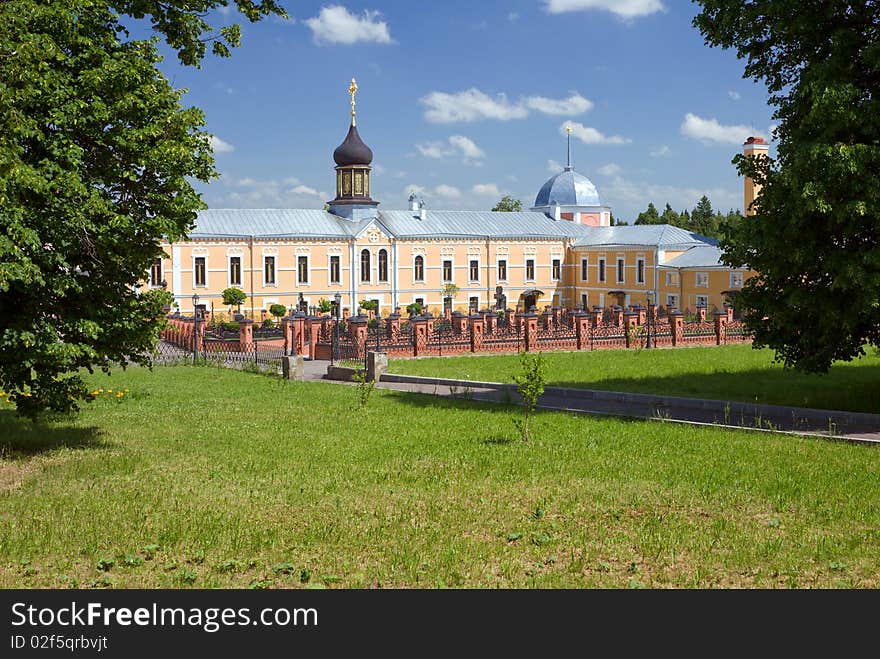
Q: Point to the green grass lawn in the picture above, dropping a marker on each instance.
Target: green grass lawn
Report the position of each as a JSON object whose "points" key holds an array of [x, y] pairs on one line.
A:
{"points": [[737, 373], [216, 478]]}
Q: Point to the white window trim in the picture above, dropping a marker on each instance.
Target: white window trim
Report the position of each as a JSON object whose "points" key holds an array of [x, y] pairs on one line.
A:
{"points": [[158, 284], [738, 282], [552, 259], [672, 300], [200, 256], [330, 281], [585, 269], [618, 269], [360, 265], [452, 270], [534, 276], [506, 278], [422, 280], [641, 271], [479, 267], [308, 280], [229, 258], [698, 276], [705, 297], [602, 270], [387, 279], [274, 258]]}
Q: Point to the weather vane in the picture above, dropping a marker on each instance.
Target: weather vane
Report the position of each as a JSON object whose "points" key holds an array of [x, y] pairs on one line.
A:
{"points": [[352, 89]]}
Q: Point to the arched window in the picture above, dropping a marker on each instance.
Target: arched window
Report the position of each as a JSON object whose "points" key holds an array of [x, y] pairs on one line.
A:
{"points": [[419, 269], [383, 265], [365, 265]]}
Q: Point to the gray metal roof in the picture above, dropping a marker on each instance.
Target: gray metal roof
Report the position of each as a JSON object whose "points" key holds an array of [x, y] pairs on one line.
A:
{"points": [[270, 222], [704, 256], [479, 224], [568, 188], [664, 236]]}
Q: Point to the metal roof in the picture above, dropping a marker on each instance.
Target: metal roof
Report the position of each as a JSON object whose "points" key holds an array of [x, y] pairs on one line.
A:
{"points": [[479, 224], [664, 236], [568, 188], [270, 222], [704, 256]]}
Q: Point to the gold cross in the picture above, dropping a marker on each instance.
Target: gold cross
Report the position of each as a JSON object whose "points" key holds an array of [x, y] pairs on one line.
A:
{"points": [[352, 89], [568, 129]]}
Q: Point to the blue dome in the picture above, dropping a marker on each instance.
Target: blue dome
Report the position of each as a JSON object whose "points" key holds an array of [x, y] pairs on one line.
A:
{"points": [[568, 188]]}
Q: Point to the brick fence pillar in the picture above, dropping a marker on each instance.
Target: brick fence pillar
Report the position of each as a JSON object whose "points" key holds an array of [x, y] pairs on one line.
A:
{"points": [[392, 326], [617, 315], [477, 326], [582, 328], [299, 332], [676, 326], [357, 331], [701, 314], [459, 322], [287, 328], [630, 321], [548, 319], [246, 335], [490, 321], [419, 326], [643, 314], [511, 318], [729, 311], [529, 322], [720, 327]]}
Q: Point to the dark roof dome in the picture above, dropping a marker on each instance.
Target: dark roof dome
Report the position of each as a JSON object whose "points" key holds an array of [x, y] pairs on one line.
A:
{"points": [[353, 151]]}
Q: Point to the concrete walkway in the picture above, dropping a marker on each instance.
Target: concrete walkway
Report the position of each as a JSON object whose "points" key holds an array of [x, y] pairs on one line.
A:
{"points": [[850, 426]]}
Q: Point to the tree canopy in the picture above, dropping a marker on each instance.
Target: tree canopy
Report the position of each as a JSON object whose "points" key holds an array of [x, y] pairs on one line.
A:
{"points": [[96, 157], [815, 237], [702, 219], [508, 204]]}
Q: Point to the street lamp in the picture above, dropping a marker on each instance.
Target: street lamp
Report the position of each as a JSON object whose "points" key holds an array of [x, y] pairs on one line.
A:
{"points": [[334, 353], [650, 318], [195, 300]]}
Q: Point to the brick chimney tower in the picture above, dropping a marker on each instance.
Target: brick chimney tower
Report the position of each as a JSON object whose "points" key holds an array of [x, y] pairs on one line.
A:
{"points": [[758, 147]]}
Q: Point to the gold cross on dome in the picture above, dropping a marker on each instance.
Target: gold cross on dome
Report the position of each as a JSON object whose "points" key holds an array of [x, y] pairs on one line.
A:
{"points": [[568, 129], [352, 89]]}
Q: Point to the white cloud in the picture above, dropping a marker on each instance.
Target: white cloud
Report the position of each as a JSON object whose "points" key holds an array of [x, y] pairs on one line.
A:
{"points": [[306, 190], [589, 135], [661, 152], [623, 8], [635, 195], [610, 169], [574, 104], [454, 145], [379, 169], [474, 105], [486, 189], [412, 188], [709, 130], [734, 95], [447, 191], [554, 167], [334, 24], [219, 146], [469, 105]]}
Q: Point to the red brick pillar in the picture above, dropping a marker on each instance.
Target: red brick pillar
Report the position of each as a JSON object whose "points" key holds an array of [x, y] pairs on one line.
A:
{"points": [[314, 331], [357, 327], [299, 332], [630, 319], [582, 328], [530, 330], [459, 322], [720, 327], [617, 314], [345, 313], [547, 317], [643, 314], [676, 326], [595, 317], [392, 326], [701, 314], [419, 326], [490, 320], [199, 333], [477, 326], [287, 328], [729, 311], [246, 335]]}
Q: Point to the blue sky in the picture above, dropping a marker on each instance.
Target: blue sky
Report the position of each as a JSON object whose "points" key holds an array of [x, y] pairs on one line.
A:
{"points": [[466, 101]]}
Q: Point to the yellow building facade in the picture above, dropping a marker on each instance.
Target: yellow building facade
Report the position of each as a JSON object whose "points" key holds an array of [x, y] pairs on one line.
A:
{"points": [[562, 252]]}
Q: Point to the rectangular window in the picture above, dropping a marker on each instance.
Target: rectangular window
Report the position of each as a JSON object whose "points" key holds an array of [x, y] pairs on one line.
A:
{"points": [[601, 269], [156, 273], [585, 269], [736, 279], [702, 300], [268, 271], [335, 270], [474, 270], [502, 270], [201, 272], [473, 303], [556, 270], [419, 268], [671, 278], [302, 269], [530, 269], [640, 271], [672, 301], [701, 279], [235, 271], [420, 301], [585, 300], [447, 271], [620, 271]]}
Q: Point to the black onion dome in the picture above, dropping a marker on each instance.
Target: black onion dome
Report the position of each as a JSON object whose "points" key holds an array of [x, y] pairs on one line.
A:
{"points": [[353, 151]]}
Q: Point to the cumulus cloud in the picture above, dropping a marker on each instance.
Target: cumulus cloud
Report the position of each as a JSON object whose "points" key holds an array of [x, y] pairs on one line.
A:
{"points": [[633, 196], [219, 146], [249, 192], [660, 152], [474, 105], [412, 188], [306, 190], [709, 130], [574, 104], [626, 9], [610, 169], [447, 191], [335, 24], [455, 145], [486, 189], [734, 95], [554, 167], [589, 135]]}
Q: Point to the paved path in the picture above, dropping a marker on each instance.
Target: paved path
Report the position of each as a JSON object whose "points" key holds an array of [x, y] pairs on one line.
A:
{"points": [[851, 426]]}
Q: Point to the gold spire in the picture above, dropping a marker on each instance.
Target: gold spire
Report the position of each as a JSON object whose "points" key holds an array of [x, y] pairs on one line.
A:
{"points": [[352, 89]]}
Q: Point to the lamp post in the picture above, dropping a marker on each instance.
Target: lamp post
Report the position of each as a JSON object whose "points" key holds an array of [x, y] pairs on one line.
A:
{"points": [[650, 318], [334, 353], [195, 301]]}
